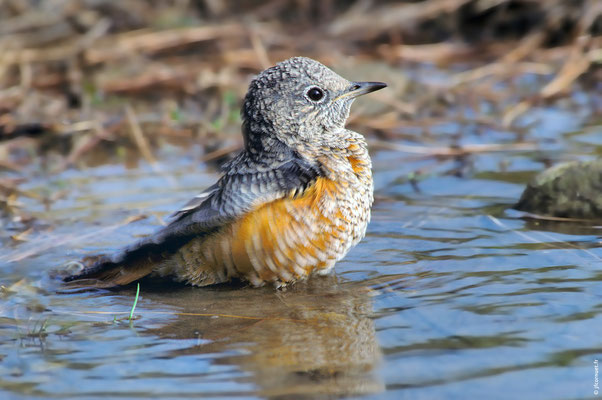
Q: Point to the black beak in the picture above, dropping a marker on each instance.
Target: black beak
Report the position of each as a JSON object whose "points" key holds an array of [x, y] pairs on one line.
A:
{"points": [[360, 88]]}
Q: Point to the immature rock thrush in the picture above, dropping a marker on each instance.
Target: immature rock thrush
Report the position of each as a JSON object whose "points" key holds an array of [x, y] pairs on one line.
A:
{"points": [[291, 204]]}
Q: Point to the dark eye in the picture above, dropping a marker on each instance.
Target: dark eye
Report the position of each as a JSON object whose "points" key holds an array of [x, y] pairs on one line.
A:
{"points": [[315, 94]]}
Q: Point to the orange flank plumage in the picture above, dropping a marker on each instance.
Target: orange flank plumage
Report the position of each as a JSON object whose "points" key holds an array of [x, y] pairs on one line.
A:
{"points": [[278, 242]]}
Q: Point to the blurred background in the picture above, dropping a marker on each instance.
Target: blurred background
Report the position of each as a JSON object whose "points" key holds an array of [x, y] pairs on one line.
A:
{"points": [[115, 113], [76, 75]]}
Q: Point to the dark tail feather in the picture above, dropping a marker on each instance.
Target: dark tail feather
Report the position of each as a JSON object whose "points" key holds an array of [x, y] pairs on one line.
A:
{"points": [[106, 274], [132, 262]]}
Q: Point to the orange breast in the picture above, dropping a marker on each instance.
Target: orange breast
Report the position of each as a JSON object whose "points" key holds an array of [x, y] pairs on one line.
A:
{"points": [[280, 241]]}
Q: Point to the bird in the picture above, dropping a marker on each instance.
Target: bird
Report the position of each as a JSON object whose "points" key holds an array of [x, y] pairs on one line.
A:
{"points": [[291, 204]]}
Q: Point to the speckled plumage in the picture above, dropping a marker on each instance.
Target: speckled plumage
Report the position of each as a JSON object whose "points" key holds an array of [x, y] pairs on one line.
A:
{"points": [[292, 203]]}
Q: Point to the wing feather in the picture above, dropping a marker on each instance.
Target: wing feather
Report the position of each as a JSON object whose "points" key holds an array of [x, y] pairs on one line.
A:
{"points": [[235, 194]]}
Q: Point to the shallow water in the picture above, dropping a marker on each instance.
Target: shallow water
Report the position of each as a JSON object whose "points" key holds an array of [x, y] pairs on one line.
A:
{"points": [[450, 295]]}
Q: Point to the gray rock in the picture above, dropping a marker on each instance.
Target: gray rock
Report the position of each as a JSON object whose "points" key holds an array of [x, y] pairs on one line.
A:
{"points": [[572, 190]]}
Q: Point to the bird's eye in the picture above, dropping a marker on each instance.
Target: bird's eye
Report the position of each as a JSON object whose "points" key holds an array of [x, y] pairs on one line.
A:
{"points": [[315, 94]]}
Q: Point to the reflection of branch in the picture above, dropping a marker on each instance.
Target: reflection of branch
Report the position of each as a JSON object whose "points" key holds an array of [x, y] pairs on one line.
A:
{"points": [[191, 314], [533, 239], [44, 245], [453, 151]]}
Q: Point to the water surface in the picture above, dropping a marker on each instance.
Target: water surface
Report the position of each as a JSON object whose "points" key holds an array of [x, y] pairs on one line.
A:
{"points": [[450, 295]]}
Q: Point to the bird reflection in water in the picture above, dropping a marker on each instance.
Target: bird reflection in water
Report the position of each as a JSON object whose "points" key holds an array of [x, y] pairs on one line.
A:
{"points": [[314, 338]]}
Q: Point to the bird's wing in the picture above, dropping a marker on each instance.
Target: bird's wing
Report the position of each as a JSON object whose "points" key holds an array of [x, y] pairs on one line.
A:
{"points": [[234, 195]]}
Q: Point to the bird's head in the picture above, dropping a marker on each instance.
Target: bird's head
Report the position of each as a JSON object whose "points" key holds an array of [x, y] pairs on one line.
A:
{"points": [[298, 101]]}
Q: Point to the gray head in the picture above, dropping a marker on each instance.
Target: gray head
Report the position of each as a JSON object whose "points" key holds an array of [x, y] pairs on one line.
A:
{"points": [[298, 101]]}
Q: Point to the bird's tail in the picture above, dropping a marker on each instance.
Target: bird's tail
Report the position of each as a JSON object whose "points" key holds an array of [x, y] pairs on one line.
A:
{"points": [[105, 273], [130, 263]]}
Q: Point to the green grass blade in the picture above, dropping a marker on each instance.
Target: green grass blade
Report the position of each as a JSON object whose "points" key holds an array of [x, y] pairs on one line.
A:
{"points": [[135, 302]]}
